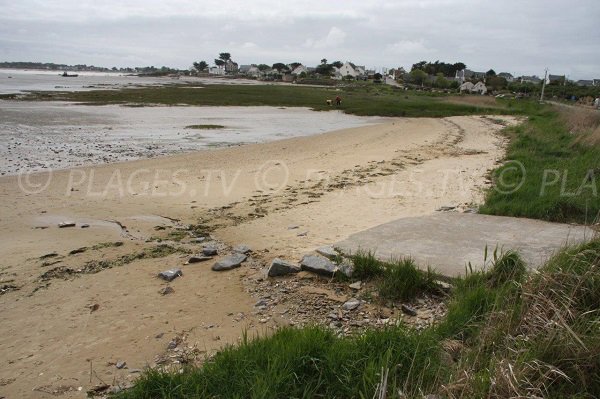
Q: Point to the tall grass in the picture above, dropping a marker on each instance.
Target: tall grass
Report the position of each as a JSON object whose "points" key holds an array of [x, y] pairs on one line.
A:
{"points": [[560, 176], [395, 280]]}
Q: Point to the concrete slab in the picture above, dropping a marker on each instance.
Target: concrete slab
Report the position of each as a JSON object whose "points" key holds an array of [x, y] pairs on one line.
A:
{"points": [[449, 241]]}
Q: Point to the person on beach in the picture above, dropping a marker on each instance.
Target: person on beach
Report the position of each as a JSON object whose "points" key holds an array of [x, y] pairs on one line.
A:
{"points": [[338, 100]]}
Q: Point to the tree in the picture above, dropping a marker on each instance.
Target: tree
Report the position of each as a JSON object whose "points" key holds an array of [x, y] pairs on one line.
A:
{"points": [[418, 76], [263, 67], [200, 66], [223, 58], [377, 76], [324, 61], [491, 72], [324, 69], [337, 64], [441, 81], [295, 65], [280, 67]]}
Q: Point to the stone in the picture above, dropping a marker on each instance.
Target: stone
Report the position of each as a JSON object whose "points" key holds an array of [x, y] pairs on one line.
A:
{"points": [[66, 224], [408, 310], [293, 227], [446, 208], [356, 286], [302, 234], [199, 240], [170, 275], [209, 251], [351, 304], [318, 264], [166, 290], [280, 267], [242, 249], [199, 258], [85, 226], [443, 285], [328, 252], [121, 364], [261, 302], [230, 262], [346, 268]]}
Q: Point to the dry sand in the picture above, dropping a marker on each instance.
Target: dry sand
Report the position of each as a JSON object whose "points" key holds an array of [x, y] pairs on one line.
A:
{"points": [[329, 185]]}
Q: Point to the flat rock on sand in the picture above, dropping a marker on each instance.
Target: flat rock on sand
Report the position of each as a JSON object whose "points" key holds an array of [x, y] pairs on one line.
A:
{"points": [[449, 241], [318, 264], [230, 262]]}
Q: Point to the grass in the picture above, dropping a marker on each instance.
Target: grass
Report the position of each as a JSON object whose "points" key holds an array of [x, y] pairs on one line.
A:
{"points": [[205, 127], [552, 172], [397, 280], [506, 334], [380, 100]]}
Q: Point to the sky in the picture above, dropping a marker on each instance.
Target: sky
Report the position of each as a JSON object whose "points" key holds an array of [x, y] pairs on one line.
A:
{"points": [[522, 37]]}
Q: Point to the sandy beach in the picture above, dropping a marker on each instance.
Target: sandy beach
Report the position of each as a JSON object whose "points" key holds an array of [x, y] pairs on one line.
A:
{"points": [[61, 331]]}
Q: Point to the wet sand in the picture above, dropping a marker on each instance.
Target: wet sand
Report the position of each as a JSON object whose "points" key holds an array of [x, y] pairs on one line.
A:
{"points": [[282, 198], [37, 136]]}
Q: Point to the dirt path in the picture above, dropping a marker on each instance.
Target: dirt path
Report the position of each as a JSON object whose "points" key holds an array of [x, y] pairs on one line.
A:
{"points": [[67, 318]]}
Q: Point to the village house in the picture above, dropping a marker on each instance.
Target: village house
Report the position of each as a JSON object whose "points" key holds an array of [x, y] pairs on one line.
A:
{"points": [[349, 69], [216, 70], [466, 74], [479, 88], [584, 82], [530, 79], [231, 67], [299, 69]]}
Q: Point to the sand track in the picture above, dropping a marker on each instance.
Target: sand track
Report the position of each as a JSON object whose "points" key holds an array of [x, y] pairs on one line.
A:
{"points": [[330, 186]]}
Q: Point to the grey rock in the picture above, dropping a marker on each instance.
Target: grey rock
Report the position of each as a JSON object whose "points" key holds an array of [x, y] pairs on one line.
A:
{"points": [[446, 208], [66, 224], [242, 249], [280, 267], [170, 275], [444, 285], [229, 262], [293, 227], [166, 290], [318, 264], [172, 344], [328, 252], [303, 234], [356, 286], [199, 258], [351, 304], [199, 240], [261, 302], [85, 226], [408, 310], [209, 251], [121, 364], [346, 268]]}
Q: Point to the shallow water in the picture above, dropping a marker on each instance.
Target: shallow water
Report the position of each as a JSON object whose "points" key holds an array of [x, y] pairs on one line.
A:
{"points": [[37, 136]]}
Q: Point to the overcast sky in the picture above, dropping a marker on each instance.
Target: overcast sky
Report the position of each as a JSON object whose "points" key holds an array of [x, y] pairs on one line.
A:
{"points": [[517, 36]]}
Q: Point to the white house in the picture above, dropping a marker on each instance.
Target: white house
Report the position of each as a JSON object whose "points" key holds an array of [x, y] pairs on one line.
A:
{"points": [[216, 70], [467, 86], [479, 88], [348, 70], [299, 69]]}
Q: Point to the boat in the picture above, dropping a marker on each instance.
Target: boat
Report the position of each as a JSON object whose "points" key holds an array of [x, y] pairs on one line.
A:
{"points": [[66, 75]]}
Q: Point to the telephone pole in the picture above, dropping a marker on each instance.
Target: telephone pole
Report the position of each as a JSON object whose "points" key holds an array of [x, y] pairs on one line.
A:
{"points": [[544, 85]]}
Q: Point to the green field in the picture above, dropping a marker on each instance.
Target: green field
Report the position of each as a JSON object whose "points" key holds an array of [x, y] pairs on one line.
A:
{"points": [[358, 99]]}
